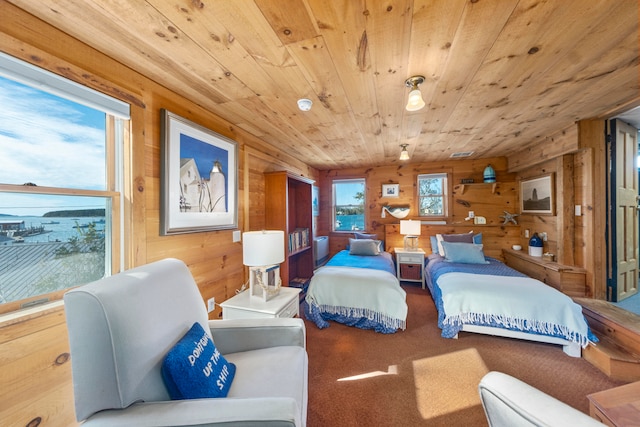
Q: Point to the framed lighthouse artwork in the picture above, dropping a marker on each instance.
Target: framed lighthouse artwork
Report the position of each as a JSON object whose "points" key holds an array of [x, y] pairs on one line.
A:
{"points": [[537, 195], [199, 178]]}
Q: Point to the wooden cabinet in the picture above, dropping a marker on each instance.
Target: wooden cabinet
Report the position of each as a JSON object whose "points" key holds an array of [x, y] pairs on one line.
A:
{"points": [[618, 406], [565, 278], [288, 208]]}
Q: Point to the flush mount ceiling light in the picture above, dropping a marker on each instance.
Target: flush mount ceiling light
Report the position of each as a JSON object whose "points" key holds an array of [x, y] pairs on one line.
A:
{"points": [[304, 104], [415, 101], [404, 154]]}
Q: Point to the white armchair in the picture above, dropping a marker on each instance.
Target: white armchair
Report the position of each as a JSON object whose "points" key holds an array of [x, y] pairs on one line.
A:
{"points": [[121, 328], [509, 402]]}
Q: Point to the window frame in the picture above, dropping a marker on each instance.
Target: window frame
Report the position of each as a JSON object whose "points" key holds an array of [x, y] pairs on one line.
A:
{"points": [[333, 201], [117, 170], [446, 197]]}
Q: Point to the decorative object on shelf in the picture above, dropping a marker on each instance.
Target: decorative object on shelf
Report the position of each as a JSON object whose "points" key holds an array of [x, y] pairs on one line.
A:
{"points": [[304, 104], [396, 211], [535, 245], [390, 190], [415, 101], [536, 195], [199, 178], [516, 247], [411, 230], [489, 174], [479, 220], [466, 181], [262, 252], [404, 154], [548, 256], [509, 217]]}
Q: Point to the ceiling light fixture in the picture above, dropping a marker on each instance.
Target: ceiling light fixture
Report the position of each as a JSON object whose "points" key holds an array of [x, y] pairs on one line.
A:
{"points": [[415, 101], [304, 104], [404, 154]]}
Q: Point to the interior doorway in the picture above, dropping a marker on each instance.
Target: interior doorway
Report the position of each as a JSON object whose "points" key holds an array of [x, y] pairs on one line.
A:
{"points": [[622, 215]]}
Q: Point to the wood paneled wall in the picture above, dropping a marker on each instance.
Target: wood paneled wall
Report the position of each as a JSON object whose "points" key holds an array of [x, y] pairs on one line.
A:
{"points": [[478, 198], [578, 162], [35, 375]]}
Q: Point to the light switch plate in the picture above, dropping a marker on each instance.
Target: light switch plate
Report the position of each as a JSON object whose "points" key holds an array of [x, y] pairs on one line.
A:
{"points": [[236, 236]]}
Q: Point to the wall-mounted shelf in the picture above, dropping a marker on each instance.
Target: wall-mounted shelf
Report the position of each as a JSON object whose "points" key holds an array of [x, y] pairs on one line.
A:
{"points": [[493, 185]]}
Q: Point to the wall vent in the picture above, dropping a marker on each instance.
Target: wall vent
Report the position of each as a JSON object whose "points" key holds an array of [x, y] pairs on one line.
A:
{"points": [[461, 154]]}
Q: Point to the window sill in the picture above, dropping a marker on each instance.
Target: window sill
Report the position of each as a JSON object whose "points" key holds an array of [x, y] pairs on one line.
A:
{"points": [[23, 315]]}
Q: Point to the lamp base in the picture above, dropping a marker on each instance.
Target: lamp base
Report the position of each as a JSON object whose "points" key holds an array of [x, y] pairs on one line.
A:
{"points": [[264, 282], [410, 243]]}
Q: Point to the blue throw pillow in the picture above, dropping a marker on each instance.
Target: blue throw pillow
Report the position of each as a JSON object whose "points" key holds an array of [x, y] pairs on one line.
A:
{"points": [[195, 369], [467, 253], [477, 239]]}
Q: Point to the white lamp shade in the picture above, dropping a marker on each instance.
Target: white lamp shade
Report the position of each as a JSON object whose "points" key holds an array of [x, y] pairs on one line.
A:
{"points": [[410, 228], [264, 247], [415, 101]]}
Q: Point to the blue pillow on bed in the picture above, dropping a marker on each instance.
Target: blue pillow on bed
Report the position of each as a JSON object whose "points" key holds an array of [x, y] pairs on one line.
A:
{"points": [[364, 247], [466, 253], [477, 239]]}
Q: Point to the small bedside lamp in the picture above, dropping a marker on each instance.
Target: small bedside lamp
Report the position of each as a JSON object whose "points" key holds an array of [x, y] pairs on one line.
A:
{"points": [[411, 231], [262, 252]]}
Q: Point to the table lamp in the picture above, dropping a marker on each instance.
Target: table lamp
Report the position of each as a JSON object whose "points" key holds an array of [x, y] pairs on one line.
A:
{"points": [[262, 252], [411, 230]]}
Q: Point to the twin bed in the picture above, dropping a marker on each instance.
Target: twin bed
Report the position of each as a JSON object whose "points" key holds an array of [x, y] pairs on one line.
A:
{"points": [[472, 293], [358, 287]]}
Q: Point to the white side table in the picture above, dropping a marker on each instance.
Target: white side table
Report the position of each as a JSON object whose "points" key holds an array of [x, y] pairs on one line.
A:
{"points": [[242, 306], [410, 265]]}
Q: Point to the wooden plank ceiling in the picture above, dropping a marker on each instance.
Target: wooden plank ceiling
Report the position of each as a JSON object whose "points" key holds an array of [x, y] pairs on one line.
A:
{"points": [[500, 74]]}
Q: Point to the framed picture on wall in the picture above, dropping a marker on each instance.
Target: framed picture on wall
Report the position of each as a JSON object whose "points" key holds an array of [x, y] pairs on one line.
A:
{"points": [[537, 195], [390, 190], [315, 200], [199, 178]]}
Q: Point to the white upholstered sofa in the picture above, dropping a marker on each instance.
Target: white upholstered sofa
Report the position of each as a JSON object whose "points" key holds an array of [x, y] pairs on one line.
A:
{"points": [[121, 328]]}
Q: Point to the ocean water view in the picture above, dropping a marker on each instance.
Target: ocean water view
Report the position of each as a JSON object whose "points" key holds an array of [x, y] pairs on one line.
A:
{"points": [[349, 222], [54, 229]]}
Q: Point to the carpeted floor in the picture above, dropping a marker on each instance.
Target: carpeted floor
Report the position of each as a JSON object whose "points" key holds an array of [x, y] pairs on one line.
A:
{"points": [[416, 378]]}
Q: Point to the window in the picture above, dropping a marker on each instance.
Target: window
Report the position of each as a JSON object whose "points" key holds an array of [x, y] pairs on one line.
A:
{"points": [[432, 195], [60, 172], [348, 204]]}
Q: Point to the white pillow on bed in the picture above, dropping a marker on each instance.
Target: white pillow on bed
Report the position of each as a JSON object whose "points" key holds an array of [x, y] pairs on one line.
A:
{"points": [[466, 253], [364, 247]]}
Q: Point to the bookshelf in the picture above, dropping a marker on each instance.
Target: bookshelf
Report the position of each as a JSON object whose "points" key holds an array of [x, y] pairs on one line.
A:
{"points": [[288, 208]]}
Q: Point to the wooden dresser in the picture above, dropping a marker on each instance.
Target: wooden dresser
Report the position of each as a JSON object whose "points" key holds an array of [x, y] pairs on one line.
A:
{"points": [[565, 278]]}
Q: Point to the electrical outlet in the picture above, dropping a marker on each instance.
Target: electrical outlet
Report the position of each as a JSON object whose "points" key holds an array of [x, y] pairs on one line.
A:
{"points": [[472, 214], [526, 233], [236, 236], [211, 303]]}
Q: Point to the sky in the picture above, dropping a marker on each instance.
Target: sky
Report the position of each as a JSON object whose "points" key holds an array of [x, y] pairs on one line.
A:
{"points": [[345, 197], [51, 142]]}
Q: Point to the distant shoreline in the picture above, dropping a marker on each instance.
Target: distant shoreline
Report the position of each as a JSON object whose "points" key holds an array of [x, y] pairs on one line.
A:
{"points": [[66, 214]]}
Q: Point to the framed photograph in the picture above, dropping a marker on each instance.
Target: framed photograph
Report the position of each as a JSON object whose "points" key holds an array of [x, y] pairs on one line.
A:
{"points": [[199, 178], [315, 200], [390, 190], [537, 195]]}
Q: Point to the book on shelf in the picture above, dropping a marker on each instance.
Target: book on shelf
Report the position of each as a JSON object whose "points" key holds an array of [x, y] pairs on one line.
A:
{"points": [[299, 239]]}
